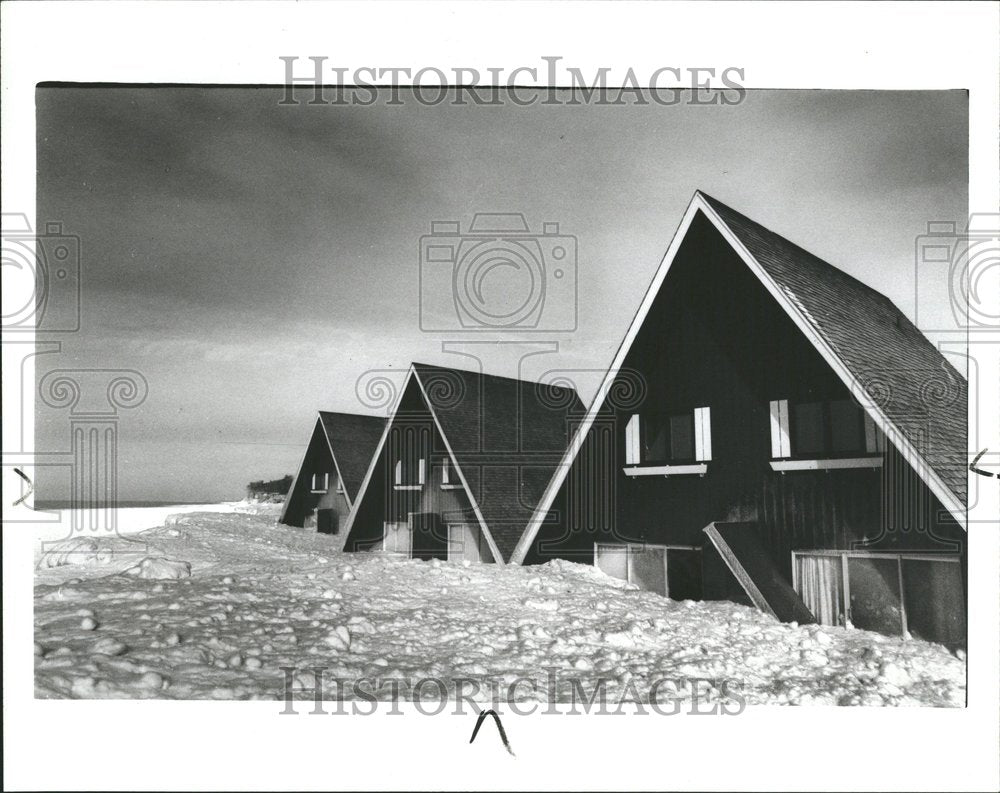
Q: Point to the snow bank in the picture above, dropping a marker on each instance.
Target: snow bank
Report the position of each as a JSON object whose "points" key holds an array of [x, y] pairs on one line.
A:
{"points": [[253, 597], [157, 569], [131, 520]]}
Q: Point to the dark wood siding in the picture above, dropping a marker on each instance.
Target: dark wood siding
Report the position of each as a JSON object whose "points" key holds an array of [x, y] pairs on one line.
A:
{"points": [[715, 337], [383, 503], [303, 504]]}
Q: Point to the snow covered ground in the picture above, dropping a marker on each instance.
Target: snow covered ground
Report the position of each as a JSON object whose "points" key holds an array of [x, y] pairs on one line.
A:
{"points": [[130, 519], [212, 605]]}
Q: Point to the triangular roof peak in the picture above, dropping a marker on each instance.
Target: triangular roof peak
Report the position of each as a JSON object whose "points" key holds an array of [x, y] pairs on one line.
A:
{"points": [[503, 435], [867, 341]]}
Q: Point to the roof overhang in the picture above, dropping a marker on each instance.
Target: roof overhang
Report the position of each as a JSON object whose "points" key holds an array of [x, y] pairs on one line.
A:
{"points": [[412, 374], [802, 322]]}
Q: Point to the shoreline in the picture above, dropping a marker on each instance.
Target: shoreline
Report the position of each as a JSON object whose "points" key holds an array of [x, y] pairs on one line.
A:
{"points": [[128, 520]]}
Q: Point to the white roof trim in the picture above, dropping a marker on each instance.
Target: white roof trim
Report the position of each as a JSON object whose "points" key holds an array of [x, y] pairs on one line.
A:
{"points": [[295, 480], [412, 374], [302, 462], [497, 556], [374, 461], [340, 478], [924, 470], [884, 423]]}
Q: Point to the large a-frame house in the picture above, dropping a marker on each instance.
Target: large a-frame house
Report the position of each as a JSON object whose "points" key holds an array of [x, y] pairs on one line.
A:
{"points": [[329, 476], [462, 465], [775, 432]]}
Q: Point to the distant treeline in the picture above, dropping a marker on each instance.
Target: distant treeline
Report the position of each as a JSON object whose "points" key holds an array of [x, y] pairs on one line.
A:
{"points": [[273, 487]]}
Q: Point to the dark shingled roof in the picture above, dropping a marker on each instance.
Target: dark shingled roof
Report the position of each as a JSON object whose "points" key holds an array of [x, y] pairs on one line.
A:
{"points": [[899, 370], [353, 439], [507, 436]]}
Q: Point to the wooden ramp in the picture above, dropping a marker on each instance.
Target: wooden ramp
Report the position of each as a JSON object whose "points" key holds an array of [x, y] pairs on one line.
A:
{"points": [[752, 566]]}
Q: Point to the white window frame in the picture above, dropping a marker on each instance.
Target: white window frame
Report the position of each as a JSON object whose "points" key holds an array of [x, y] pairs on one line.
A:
{"points": [[398, 476], [898, 556], [702, 449], [781, 446], [313, 488], [643, 546]]}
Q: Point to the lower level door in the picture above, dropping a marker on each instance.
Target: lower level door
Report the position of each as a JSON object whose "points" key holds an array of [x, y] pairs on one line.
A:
{"points": [[463, 543], [326, 521], [397, 538]]}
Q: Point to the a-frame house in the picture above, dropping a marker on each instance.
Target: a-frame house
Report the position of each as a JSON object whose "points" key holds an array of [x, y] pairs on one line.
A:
{"points": [[461, 465], [329, 476], [775, 432]]}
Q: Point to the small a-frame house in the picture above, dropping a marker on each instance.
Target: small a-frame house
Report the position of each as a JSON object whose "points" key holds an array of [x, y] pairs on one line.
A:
{"points": [[334, 463], [771, 431], [461, 465]]}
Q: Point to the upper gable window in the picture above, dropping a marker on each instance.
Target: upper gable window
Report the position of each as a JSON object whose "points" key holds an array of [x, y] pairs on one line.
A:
{"points": [[409, 474], [668, 438], [663, 440], [320, 483], [449, 476], [822, 430]]}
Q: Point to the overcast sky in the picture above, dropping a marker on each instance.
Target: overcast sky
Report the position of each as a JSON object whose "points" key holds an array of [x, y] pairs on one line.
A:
{"points": [[253, 260]]}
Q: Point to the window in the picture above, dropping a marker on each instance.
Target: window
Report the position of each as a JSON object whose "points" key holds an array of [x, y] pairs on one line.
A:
{"points": [[320, 483], [836, 430], [808, 429], [668, 439], [449, 478], [899, 594], [409, 474], [665, 440], [673, 571]]}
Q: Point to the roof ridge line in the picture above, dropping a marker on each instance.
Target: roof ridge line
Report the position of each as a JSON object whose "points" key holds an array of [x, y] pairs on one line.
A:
{"points": [[416, 364]]}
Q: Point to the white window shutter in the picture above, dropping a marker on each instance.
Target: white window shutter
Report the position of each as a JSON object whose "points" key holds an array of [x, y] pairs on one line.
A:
{"points": [[781, 445], [632, 438], [398, 479], [312, 485], [703, 434], [421, 471]]}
